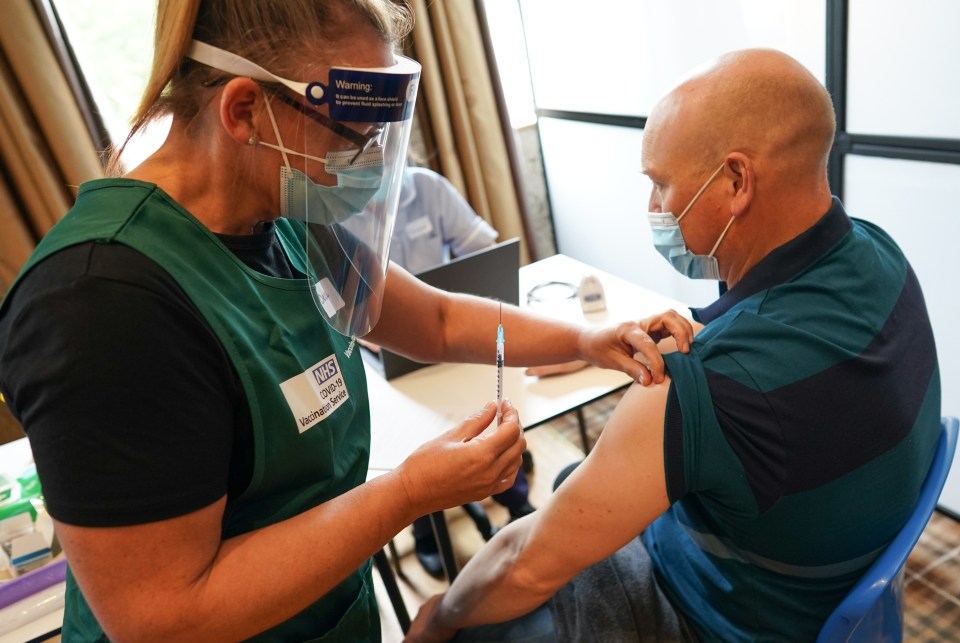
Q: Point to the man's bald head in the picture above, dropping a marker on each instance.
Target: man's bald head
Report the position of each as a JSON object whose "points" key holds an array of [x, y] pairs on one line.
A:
{"points": [[759, 101], [760, 126]]}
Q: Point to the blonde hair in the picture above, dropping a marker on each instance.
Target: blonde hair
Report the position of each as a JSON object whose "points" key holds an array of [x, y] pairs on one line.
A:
{"points": [[276, 34]]}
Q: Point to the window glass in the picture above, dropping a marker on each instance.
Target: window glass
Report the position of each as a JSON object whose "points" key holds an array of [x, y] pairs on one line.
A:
{"points": [[619, 56], [113, 44], [903, 66], [509, 49]]}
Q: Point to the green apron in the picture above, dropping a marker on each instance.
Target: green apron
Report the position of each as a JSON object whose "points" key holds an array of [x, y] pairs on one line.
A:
{"points": [[304, 383]]}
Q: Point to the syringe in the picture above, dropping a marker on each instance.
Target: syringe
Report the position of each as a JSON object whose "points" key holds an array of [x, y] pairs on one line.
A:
{"points": [[500, 368]]}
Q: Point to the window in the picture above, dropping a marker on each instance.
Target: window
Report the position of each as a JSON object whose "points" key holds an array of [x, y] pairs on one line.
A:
{"points": [[904, 86], [620, 56], [113, 45]]}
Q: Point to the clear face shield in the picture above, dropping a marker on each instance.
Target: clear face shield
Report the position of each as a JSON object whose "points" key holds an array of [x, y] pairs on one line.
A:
{"points": [[341, 174]]}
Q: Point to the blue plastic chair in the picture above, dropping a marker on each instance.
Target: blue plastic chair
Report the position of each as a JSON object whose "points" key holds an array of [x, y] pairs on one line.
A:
{"points": [[873, 610]]}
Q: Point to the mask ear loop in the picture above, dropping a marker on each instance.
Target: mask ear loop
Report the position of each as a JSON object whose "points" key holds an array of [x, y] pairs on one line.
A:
{"points": [[700, 191], [276, 132], [722, 235], [280, 148]]}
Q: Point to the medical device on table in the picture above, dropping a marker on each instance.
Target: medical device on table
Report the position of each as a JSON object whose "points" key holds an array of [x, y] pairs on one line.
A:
{"points": [[500, 368], [590, 292]]}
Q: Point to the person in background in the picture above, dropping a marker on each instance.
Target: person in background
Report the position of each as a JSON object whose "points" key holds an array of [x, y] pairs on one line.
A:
{"points": [[741, 498], [435, 224], [180, 347]]}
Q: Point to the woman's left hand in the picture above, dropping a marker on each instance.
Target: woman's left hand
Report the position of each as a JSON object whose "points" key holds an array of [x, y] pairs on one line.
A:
{"points": [[632, 347]]}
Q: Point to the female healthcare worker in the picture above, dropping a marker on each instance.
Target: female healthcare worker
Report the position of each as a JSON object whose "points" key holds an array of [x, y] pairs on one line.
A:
{"points": [[201, 436]]}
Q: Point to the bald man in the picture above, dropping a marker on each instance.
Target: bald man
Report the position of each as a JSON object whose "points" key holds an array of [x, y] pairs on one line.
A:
{"points": [[742, 497]]}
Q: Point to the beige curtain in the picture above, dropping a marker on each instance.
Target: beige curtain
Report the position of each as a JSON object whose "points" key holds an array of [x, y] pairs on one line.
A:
{"points": [[46, 150], [457, 109]]}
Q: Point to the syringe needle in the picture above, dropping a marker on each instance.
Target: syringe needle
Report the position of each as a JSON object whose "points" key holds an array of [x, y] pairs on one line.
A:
{"points": [[500, 367]]}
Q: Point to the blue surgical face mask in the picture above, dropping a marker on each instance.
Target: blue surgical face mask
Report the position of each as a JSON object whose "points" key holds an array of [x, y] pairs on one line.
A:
{"points": [[668, 240], [359, 179], [357, 185]]}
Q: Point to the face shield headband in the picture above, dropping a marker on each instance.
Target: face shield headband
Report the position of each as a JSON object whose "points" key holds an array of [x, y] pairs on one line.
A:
{"points": [[340, 175]]}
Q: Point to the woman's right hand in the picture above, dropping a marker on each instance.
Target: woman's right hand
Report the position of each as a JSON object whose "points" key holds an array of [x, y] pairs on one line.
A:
{"points": [[470, 462]]}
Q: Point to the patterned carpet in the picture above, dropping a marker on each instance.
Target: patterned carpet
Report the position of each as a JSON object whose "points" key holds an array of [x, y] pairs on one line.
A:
{"points": [[932, 584]]}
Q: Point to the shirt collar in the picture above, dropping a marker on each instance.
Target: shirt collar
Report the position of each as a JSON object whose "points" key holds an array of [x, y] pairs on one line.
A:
{"points": [[782, 263]]}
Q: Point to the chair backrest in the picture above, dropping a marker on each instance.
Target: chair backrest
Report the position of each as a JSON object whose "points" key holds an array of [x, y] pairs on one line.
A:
{"points": [[873, 610]]}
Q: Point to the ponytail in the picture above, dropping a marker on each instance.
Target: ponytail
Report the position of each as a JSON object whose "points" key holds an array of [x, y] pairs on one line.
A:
{"points": [[172, 36], [174, 31]]}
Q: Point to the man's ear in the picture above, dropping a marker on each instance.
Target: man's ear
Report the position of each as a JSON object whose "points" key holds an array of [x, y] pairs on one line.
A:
{"points": [[739, 167], [240, 104]]}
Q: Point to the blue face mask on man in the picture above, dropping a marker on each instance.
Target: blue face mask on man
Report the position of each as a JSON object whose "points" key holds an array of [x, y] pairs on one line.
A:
{"points": [[668, 240]]}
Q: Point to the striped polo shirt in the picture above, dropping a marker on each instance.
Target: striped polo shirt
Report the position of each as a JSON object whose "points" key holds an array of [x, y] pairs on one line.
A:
{"points": [[798, 431]]}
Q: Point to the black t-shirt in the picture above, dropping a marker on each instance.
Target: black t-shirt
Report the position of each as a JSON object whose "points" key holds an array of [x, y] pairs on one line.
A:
{"points": [[133, 409]]}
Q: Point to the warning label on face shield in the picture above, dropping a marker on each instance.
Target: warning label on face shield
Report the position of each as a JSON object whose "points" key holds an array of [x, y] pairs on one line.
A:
{"points": [[370, 97], [316, 393], [346, 96]]}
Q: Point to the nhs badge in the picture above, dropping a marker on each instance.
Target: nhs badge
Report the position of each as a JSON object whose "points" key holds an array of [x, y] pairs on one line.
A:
{"points": [[316, 393]]}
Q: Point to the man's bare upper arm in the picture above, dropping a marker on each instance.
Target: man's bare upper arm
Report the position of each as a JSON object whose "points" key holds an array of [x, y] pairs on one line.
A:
{"points": [[611, 497]]}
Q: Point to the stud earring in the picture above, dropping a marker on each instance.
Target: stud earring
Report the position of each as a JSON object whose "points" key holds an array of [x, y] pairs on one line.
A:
{"points": [[252, 140]]}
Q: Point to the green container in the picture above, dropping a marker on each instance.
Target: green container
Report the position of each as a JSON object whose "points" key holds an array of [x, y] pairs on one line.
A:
{"points": [[20, 506], [30, 483]]}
